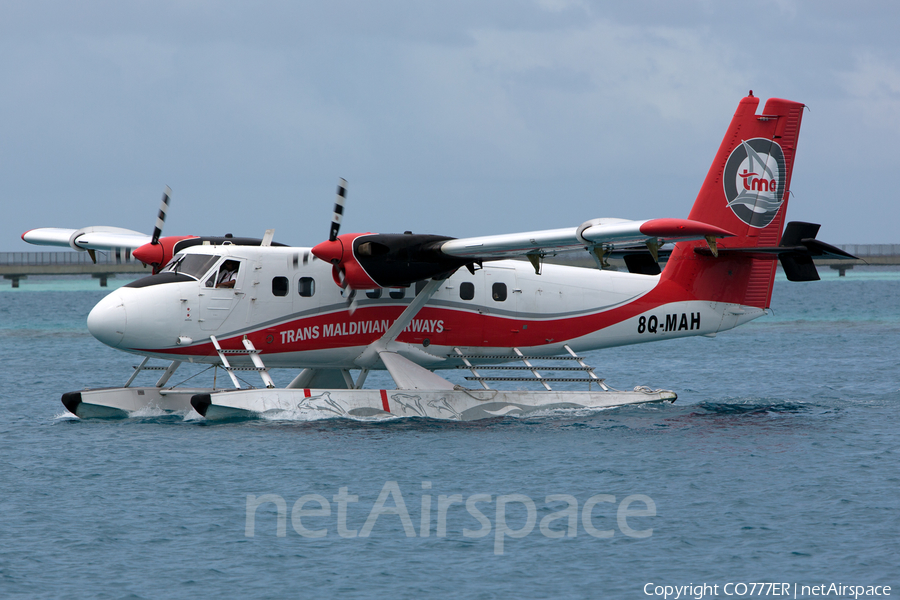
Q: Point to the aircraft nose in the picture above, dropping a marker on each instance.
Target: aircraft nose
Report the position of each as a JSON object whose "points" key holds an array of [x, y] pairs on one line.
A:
{"points": [[107, 320]]}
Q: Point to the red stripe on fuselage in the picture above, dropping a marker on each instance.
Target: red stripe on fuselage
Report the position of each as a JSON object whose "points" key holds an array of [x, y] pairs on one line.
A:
{"points": [[441, 326]]}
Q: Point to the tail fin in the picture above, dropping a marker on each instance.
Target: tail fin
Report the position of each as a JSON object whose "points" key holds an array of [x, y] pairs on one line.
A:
{"points": [[745, 192]]}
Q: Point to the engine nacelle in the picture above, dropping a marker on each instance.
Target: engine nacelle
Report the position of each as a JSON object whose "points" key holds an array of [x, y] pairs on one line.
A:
{"points": [[365, 261], [159, 254]]}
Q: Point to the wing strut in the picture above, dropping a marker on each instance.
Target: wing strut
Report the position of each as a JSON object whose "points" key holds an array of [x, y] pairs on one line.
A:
{"points": [[406, 373]]}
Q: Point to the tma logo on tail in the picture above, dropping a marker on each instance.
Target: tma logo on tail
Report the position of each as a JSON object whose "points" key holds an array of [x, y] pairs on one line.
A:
{"points": [[754, 181]]}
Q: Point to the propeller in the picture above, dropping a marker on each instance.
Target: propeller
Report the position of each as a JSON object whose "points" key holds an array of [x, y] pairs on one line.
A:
{"points": [[338, 209], [352, 304], [333, 249], [154, 254], [161, 217], [340, 274], [381, 260]]}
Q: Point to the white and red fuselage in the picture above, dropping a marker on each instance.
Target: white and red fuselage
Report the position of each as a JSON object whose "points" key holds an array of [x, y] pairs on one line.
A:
{"points": [[285, 302]]}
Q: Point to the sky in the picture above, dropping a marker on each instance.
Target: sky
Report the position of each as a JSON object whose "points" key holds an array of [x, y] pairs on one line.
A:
{"points": [[458, 118]]}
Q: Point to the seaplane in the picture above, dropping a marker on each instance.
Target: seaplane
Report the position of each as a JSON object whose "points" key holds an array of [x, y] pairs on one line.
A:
{"points": [[417, 304]]}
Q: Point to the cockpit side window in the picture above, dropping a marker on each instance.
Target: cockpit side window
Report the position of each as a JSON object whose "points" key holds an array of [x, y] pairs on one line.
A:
{"points": [[195, 265], [225, 276]]}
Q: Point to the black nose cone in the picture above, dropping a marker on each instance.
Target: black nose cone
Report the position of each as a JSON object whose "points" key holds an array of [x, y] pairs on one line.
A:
{"points": [[71, 400], [201, 403]]}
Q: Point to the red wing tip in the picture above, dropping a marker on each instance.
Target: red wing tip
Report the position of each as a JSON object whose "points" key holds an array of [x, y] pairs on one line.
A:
{"points": [[682, 228]]}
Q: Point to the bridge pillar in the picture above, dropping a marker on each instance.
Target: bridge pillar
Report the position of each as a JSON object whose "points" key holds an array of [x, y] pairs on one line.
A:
{"points": [[102, 277], [15, 279], [842, 269]]}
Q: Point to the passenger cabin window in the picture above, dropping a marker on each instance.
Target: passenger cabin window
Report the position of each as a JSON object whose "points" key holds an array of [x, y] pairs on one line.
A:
{"points": [[420, 285], [226, 276], [280, 286], [397, 294], [306, 287], [374, 294], [467, 290], [498, 292]]}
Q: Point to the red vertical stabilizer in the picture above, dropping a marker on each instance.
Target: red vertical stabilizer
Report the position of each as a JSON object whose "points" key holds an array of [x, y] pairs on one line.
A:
{"points": [[745, 192]]}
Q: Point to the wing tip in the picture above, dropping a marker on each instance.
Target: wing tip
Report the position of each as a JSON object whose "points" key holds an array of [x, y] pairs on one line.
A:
{"points": [[667, 227]]}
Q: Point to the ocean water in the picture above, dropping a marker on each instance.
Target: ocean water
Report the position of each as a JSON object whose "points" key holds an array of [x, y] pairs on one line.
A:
{"points": [[778, 463]]}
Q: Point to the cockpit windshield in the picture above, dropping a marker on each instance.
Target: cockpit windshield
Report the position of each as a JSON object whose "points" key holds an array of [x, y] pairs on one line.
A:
{"points": [[195, 265]]}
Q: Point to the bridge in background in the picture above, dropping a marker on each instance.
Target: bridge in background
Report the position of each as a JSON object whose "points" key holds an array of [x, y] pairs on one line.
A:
{"points": [[869, 254], [16, 266]]}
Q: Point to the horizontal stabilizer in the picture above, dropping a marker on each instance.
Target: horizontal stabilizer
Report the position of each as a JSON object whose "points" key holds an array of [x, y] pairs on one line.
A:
{"points": [[798, 233], [796, 252], [823, 250]]}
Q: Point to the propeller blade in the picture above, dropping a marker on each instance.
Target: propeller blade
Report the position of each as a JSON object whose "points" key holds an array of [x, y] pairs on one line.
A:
{"points": [[338, 209], [161, 218], [352, 304], [347, 292]]}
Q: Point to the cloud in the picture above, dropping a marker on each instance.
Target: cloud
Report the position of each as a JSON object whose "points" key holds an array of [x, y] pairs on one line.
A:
{"points": [[485, 107], [556, 6], [613, 65], [873, 90], [592, 99]]}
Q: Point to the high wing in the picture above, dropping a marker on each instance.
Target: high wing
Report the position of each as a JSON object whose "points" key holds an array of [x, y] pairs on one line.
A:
{"points": [[608, 234], [104, 238], [370, 260], [87, 238]]}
